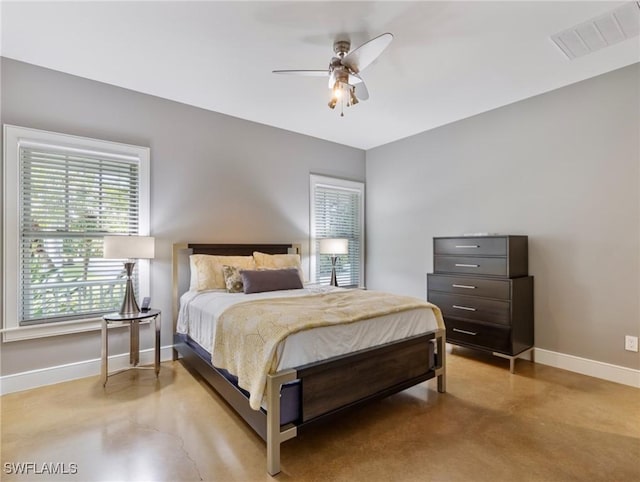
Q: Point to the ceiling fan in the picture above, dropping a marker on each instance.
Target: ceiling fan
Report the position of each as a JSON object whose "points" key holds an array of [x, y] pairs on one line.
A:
{"points": [[347, 86]]}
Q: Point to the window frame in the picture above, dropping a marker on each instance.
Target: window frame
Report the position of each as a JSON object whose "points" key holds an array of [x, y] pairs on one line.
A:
{"points": [[316, 180], [14, 136]]}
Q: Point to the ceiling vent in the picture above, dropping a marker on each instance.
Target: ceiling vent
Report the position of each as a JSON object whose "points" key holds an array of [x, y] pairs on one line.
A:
{"points": [[615, 26]]}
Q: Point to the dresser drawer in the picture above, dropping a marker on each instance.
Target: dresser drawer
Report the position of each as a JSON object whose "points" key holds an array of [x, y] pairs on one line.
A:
{"points": [[472, 308], [471, 265], [478, 335], [468, 246], [465, 285]]}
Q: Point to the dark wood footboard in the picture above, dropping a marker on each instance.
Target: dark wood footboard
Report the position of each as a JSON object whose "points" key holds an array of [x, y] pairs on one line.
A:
{"points": [[341, 382]]}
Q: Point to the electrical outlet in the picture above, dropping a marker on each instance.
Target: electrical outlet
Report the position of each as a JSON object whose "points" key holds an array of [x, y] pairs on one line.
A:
{"points": [[631, 343]]}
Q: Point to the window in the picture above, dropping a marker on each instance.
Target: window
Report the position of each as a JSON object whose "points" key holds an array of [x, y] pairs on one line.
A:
{"points": [[63, 195], [337, 211]]}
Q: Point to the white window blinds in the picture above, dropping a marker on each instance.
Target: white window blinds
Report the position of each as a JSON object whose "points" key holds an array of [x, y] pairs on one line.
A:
{"points": [[68, 200], [337, 212]]}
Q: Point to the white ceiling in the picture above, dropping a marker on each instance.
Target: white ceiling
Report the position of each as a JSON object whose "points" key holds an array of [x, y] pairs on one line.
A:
{"points": [[448, 61]]}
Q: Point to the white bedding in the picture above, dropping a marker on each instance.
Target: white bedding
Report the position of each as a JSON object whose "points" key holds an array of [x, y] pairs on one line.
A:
{"points": [[200, 310]]}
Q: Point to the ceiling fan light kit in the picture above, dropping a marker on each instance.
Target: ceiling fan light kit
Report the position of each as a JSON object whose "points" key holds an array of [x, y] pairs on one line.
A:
{"points": [[347, 87], [342, 91]]}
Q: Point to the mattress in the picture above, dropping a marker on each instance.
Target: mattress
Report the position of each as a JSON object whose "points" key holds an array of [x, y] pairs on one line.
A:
{"points": [[200, 310]]}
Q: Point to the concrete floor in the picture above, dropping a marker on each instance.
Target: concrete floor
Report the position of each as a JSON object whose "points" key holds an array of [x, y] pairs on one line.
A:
{"points": [[540, 424]]}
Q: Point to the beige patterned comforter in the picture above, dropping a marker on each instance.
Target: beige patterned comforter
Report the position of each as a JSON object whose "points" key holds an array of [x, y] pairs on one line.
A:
{"points": [[247, 334]]}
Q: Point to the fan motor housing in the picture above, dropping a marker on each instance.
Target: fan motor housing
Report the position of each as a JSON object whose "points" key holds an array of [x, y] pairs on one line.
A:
{"points": [[341, 47]]}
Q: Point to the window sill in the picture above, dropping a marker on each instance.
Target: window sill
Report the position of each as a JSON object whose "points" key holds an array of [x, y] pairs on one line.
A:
{"points": [[50, 329]]}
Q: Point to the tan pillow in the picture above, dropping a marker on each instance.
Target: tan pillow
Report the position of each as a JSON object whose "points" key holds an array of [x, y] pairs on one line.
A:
{"points": [[206, 270], [278, 261]]}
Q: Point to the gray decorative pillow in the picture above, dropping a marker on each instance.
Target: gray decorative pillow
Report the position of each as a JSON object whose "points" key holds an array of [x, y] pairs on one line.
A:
{"points": [[270, 280], [232, 279]]}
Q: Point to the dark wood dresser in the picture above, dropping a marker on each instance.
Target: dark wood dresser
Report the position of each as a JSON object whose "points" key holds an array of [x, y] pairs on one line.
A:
{"points": [[482, 286]]}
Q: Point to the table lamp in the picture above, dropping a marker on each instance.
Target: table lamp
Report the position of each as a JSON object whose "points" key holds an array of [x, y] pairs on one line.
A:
{"points": [[129, 248], [334, 247]]}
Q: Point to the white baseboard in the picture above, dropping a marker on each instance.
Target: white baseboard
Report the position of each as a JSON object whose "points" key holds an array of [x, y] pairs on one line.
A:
{"points": [[72, 371], [592, 368]]}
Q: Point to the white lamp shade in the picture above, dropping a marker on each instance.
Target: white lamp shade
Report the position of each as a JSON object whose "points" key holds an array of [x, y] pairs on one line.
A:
{"points": [[129, 247], [334, 246]]}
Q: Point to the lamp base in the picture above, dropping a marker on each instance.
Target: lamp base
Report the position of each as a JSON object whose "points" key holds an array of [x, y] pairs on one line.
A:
{"points": [[334, 280], [129, 304]]}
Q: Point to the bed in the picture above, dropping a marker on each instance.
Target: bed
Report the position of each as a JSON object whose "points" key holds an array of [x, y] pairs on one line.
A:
{"points": [[302, 392]]}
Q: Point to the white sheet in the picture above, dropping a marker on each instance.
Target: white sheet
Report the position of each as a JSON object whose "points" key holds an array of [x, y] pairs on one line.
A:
{"points": [[200, 310]]}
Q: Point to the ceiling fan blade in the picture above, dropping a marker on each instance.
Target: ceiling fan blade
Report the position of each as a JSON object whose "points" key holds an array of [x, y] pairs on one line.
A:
{"points": [[361, 57], [361, 91], [305, 73], [355, 79]]}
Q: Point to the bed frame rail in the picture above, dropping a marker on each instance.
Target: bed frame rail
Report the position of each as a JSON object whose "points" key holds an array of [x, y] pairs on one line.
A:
{"points": [[256, 419]]}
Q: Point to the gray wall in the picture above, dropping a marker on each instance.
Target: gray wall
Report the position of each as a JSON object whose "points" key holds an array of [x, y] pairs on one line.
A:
{"points": [[562, 168], [214, 178]]}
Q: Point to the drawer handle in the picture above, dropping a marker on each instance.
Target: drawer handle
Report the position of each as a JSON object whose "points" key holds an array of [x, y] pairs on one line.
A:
{"points": [[465, 332], [460, 265], [466, 308], [468, 246], [464, 286]]}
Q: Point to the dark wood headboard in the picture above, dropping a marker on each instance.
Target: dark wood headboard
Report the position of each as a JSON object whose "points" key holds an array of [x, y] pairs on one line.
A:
{"points": [[239, 249], [180, 261]]}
